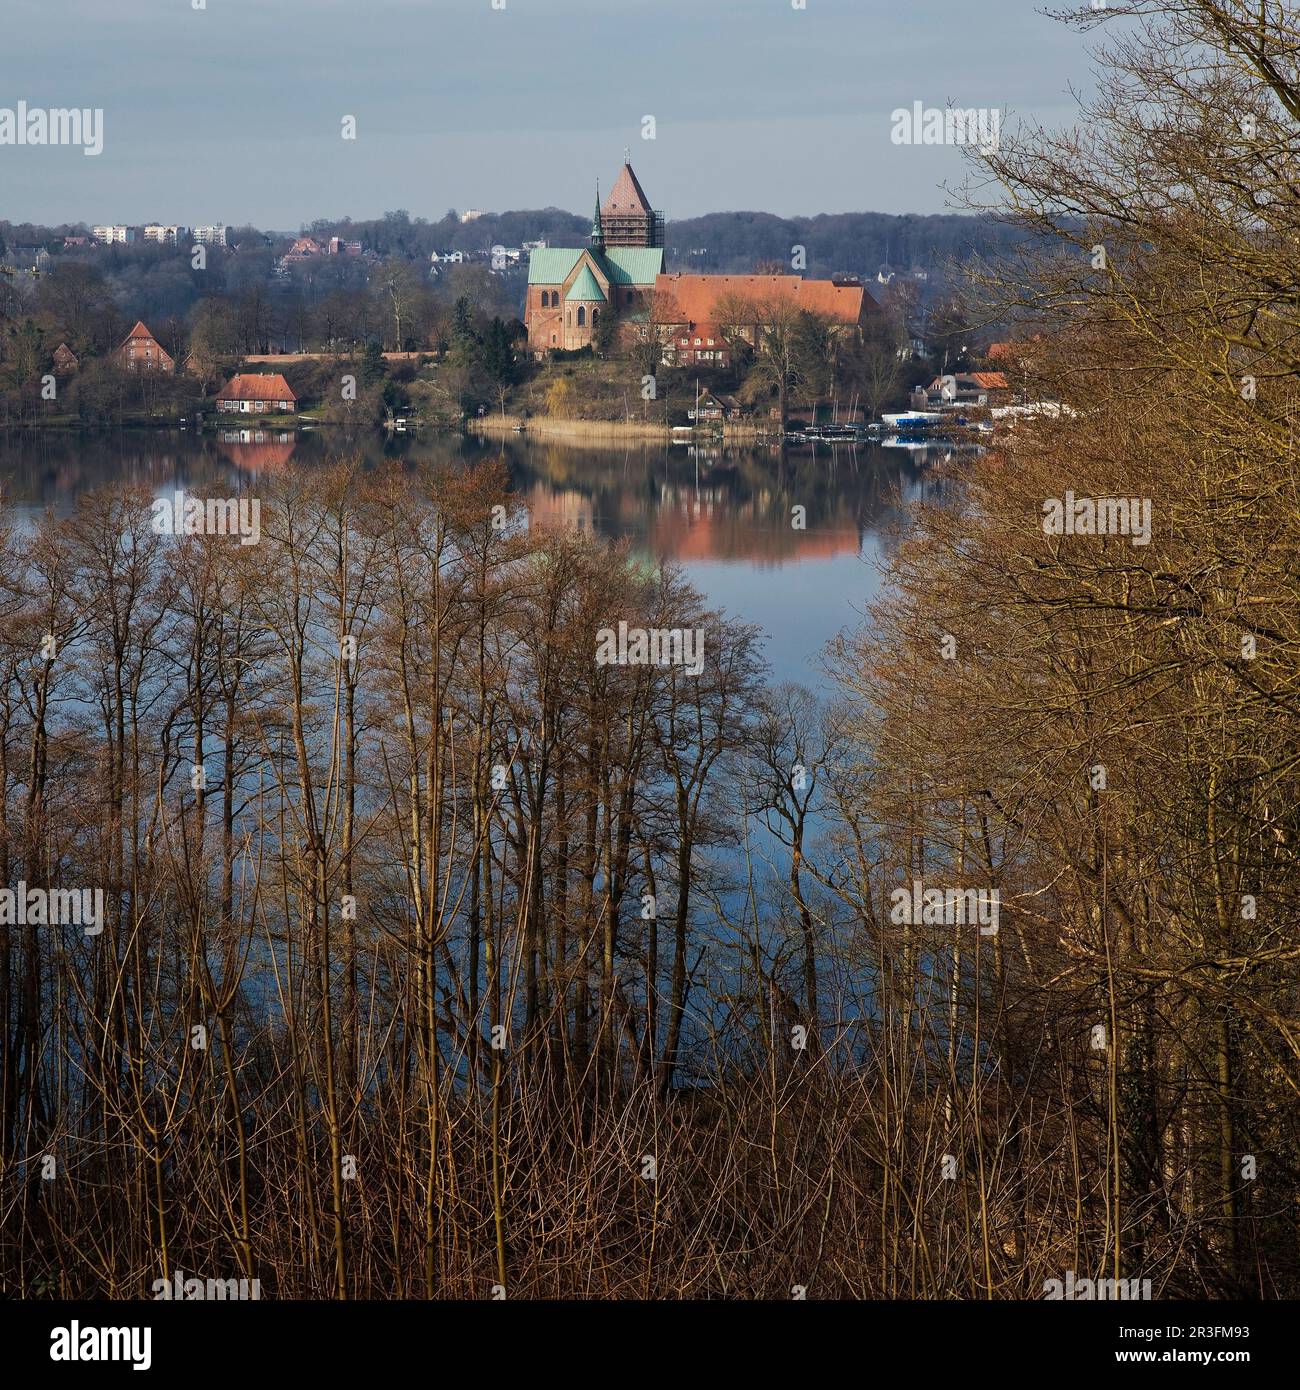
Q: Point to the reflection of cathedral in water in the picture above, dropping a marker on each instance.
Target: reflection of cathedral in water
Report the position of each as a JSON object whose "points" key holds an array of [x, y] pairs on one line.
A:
{"points": [[762, 507], [712, 523]]}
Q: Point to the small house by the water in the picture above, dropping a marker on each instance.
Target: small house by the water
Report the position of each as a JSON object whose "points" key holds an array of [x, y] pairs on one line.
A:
{"points": [[256, 394]]}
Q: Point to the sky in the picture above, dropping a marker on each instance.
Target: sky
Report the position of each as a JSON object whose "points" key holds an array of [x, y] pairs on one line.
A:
{"points": [[234, 112]]}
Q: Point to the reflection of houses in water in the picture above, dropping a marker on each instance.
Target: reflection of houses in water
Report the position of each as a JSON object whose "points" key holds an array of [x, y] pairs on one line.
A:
{"points": [[55, 470], [708, 523], [703, 454], [258, 451], [930, 451], [559, 507], [150, 467]]}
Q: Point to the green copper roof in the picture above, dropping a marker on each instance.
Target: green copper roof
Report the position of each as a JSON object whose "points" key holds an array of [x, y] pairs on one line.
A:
{"points": [[585, 286], [550, 265], [625, 265], [634, 265]]}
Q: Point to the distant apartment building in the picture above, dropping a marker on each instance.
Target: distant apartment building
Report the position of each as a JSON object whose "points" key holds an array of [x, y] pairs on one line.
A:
{"points": [[211, 236], [142, 352], [164, 235], [471, 215], [503, 257], [114, 235], [307, 248]]}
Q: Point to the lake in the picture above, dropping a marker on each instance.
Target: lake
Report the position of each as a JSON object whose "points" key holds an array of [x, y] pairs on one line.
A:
{"points": [[725, 516]]}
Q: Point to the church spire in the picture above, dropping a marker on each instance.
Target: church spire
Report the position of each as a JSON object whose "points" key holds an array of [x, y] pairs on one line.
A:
{"points": [[597, 229]]}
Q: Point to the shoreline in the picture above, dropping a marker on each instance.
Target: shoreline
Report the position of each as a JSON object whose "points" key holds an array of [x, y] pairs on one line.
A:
{"points": [[577, 431], [566, 427]]}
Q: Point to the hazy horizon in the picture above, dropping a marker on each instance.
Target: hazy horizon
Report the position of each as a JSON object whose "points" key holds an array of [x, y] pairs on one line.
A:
{"points": [[466, 106]]}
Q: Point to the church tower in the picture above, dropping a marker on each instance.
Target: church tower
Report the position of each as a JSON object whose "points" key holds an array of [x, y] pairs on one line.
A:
{"points": [[627, 219]]}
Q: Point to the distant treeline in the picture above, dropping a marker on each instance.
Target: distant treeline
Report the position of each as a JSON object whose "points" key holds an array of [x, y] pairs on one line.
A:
{"points": [[855, 243], [158, 280]]}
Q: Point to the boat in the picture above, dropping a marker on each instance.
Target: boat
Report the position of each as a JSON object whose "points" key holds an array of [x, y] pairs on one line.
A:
{"points": [[832, 433], [913, 420]]}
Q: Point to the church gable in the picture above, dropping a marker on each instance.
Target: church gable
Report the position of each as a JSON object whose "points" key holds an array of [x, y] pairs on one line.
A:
{"points": [[586, 286]]}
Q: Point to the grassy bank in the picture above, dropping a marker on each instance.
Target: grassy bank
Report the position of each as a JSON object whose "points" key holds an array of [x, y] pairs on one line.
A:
{"points": [[575, 431], [567, 428]]}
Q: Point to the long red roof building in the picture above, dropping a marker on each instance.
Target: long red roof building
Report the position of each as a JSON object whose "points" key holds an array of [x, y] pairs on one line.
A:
{"points": [[257, 393], [690, 309]]}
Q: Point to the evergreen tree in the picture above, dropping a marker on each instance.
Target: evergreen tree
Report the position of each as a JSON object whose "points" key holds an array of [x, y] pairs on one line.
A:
{"points": [[465, 340], [372, 363], [498, 355]]}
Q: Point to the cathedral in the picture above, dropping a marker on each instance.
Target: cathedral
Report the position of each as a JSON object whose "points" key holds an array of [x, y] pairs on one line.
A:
{"points": [[571, 289], [620, 272]]}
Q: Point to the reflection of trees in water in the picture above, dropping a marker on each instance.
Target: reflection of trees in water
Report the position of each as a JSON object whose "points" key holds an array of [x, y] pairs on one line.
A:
{"points": [[732, 504], [714, 504]]}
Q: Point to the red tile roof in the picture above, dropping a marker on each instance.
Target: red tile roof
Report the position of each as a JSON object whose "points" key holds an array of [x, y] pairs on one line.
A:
{"points": [[248, 386], [983, 381], [627, 198], [697, 296], [140, 333]]}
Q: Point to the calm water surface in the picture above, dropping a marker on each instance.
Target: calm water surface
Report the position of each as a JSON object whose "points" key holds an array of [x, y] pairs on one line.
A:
{"points": [[725, 517]]}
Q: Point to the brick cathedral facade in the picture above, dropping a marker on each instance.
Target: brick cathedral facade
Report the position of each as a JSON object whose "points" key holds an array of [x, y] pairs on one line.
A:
{"points": [[571, 289]]}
